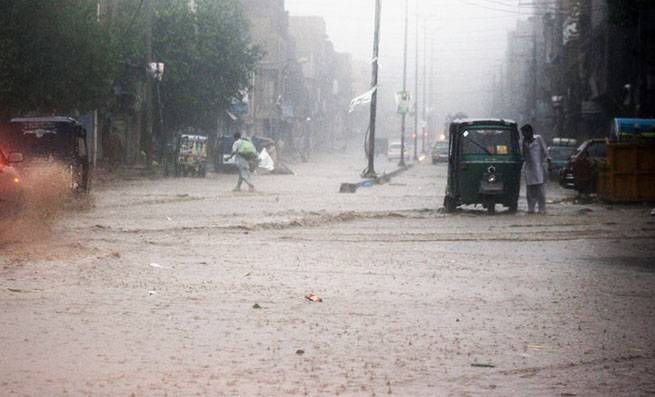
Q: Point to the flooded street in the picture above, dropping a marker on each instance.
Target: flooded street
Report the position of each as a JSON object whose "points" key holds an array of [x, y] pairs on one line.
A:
{"points": [[183, 287]]}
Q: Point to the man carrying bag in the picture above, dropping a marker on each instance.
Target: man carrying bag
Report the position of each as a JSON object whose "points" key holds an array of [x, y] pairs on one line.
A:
{"points": [[244, 153]]}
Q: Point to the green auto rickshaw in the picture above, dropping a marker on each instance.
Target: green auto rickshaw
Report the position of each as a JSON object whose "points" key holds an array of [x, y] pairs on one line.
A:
{"points": [[484, 164]]}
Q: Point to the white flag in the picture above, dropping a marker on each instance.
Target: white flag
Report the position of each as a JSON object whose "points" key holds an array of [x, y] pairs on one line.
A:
{"points": [[362, 99]]}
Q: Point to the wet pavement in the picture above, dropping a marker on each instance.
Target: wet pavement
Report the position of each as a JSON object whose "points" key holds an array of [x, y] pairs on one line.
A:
{"points": [[182, 287]]}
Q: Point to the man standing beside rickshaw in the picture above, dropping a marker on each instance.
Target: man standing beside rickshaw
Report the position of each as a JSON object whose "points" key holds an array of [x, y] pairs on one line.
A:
{"points": [[535, 154]]}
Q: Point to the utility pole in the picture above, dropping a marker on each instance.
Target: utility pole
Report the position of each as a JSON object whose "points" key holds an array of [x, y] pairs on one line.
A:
{"points": [[534, 72], [425, 85], [370, 170], [416, 90], [404, 115], [433, 99], [148, 86]]}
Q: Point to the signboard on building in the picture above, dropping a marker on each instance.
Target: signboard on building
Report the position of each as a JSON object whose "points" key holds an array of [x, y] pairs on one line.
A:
{"points": [[403, 102]]}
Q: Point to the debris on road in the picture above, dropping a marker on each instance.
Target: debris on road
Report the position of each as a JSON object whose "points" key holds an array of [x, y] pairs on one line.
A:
{"points": [[313, 298], [478, 365], [256, 306], [348, 188], [282, 169], [156, 265], [300, 352], [151, 293], [246, 274]]}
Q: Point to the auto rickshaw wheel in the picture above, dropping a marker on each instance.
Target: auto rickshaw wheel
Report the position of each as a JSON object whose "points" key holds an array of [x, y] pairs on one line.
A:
{"points": [[450, 204], [79, 179], [491, 207]]}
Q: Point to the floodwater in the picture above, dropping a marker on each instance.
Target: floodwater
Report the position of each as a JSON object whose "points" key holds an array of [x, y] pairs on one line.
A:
{"points": [[182, 287]]}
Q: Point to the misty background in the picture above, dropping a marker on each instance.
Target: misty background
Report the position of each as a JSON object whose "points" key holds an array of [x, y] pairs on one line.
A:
{"points": [[462, 43]]}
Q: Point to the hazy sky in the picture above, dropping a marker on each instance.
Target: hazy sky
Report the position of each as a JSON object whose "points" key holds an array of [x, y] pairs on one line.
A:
{"points": [[469, 38]]}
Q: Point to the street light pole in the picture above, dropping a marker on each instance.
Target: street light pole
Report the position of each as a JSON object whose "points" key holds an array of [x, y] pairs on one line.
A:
{"points": [[425, 86], [429, 93], [370, 171], [416, 90], [149, 145], [163, 138], [404, 115], [433, 95]]}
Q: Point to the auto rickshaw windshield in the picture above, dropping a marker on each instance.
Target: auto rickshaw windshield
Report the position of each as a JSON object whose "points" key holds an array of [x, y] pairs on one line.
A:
{"points": [[492, 142]]}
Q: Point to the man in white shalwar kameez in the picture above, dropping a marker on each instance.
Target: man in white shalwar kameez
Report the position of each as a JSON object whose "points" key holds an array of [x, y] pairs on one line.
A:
{"points": [[243, 165], [534, 156]]}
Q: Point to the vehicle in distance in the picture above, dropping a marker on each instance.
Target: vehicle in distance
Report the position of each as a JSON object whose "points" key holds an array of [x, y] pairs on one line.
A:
{"points": [[440, 152]]}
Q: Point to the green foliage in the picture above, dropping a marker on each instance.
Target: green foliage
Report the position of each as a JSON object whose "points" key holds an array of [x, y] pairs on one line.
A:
{"points": [[126, 21], [58, 56], [208, 59], [55, 56]]}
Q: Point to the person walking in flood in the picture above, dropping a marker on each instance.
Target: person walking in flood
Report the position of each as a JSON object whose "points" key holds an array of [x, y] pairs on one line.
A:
{"points": [[534, 156], [243, 150]]}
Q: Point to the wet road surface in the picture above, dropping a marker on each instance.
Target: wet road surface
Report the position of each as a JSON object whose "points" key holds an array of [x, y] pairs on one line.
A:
{"points": [[182, 287]]}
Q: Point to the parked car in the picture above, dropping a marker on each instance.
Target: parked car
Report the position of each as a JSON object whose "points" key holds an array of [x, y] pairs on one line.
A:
{"points": [[581, 171], [560, 151], [393, 152], [440, 152], [11, 184], [381, 146]]}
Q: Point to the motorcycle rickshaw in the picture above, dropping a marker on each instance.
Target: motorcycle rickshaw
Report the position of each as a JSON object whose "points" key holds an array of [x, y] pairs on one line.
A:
{"points": [[44, 140], [484, 164], [191, 156]]}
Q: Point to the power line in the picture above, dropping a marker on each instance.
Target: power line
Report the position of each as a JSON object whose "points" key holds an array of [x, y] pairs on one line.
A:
{"points": [[516, 12], [519, 12], [501, 4]]}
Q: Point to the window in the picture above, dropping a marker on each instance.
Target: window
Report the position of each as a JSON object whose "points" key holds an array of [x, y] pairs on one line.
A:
{"points": [[597, 150], [487, 141], [561, 152]]}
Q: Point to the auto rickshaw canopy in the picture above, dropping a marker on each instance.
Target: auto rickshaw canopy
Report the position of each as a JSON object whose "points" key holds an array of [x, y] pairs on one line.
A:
{"points": [[62, 138]]}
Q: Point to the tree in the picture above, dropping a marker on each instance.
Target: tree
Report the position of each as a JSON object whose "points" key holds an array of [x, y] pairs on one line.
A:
{"points": [[208, 58], [61, 56], [56, 57]]}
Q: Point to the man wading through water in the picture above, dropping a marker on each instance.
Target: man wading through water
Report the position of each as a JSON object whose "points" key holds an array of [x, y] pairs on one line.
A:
{"points": [[534, 155], [243, 151]]}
